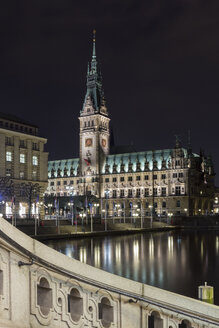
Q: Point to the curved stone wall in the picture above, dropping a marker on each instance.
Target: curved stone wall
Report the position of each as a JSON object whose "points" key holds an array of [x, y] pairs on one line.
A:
{"points": [[40, 287]]}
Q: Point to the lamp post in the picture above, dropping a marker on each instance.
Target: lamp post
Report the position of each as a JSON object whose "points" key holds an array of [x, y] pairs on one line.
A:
{"points": [[50, 209], [151, 208], [71, 205], [82, 215], [141, 216], [170, 216], [106, 207], [91, 218], [124, 210]]}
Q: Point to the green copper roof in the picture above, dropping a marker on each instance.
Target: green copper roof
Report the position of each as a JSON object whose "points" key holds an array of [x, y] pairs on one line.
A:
{"points": [[68, 166], [139, 157]]}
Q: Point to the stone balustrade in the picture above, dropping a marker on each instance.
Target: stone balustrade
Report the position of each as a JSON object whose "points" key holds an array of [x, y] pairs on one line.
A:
{"points": [[40, 287]]}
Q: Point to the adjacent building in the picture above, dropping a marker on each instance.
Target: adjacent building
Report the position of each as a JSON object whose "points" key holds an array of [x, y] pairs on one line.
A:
{"points": [[160, 182], [23, 168]]}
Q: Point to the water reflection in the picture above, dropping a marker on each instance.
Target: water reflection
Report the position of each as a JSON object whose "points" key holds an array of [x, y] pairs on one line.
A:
{"points": [[176, 261]]}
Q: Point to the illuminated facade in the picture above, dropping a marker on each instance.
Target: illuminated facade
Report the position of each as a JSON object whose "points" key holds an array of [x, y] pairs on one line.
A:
{"points": [[162, 182], [23, 168]]}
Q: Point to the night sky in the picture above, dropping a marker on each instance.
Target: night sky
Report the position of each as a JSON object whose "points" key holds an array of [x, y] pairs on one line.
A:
{"points": [[159, 60]]}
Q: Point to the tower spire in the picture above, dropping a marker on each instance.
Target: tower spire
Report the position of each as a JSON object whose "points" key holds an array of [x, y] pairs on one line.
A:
{"points": [[94, 46], [95, 95]]}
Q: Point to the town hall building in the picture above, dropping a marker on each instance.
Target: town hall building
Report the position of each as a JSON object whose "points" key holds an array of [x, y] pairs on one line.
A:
{"points": [[127, 183]]}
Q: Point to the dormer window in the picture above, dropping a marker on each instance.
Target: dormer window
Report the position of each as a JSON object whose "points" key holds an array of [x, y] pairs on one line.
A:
{"points": [[122, 168]]}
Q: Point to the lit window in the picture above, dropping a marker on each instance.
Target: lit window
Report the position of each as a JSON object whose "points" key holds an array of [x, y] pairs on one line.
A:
{"points": [[35, 160], [22, 158], [21, 175], [8, 172], [34, 175], [8, 156]]}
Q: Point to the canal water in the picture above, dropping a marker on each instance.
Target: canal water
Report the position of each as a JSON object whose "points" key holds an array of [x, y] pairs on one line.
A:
{"points": [[178, 261]]}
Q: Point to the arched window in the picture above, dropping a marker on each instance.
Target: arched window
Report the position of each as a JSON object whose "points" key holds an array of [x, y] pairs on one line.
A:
{"points": [[105, 312], [185, 324], [155, 321], [75, 304], [44, 296]]}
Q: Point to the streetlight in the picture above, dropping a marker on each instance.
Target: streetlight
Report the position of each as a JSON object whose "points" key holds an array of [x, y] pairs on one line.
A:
{"points": [[82, 215], [170, 216], [106, 207], [50, 209], [71, 205]]}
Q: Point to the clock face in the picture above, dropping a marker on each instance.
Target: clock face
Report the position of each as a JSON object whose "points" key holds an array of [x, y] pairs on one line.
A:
{"points": [[88, 142], [104, 143]]}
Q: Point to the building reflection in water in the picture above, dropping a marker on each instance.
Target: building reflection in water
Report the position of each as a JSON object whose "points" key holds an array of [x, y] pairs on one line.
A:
{"points": [[217, 244], [97, 256], [177, 261], [170, 246], [83, 254]]}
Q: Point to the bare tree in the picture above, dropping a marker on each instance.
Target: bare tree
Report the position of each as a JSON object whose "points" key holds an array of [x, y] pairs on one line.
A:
{"points": [[29, 191], [6, 188]]}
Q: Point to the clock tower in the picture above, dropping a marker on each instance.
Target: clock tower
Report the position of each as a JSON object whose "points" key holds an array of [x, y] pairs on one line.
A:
{"points": [[94, 129]]}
